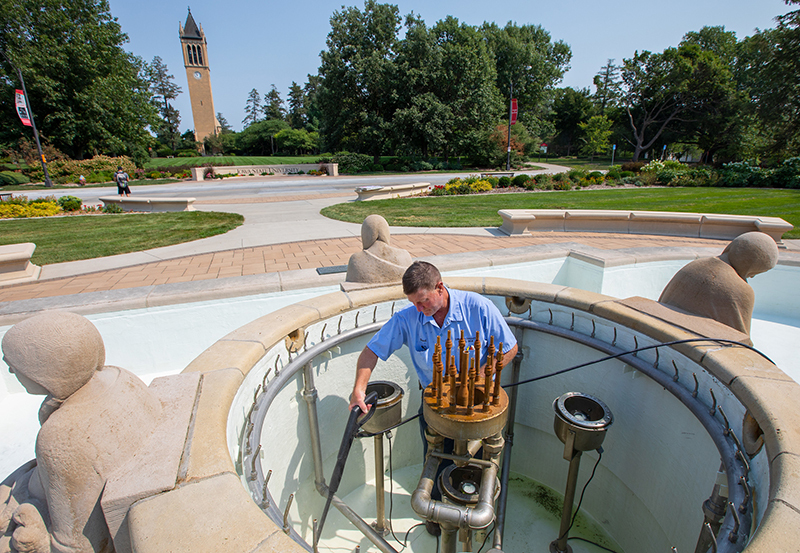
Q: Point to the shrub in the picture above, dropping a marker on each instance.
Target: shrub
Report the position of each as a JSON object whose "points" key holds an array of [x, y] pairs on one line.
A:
{"points": [[352, 163], [788, 174], [544, 179], [438, 190], [504, 182], [101, 176], [494, 181], [624, 174], [70, 203], [480, 186], [596, 175], [521, 180], [577, 174], [12, 177], [112, 208], [421, 166], [563, 185], [631, 180], [188, 153], [633, 166], [19, 207], [667, 176], [614, 172], [558, 177]]}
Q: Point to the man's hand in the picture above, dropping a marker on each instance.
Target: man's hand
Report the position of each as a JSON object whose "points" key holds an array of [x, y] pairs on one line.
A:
{"points": [[30, 535], [364, 366]]}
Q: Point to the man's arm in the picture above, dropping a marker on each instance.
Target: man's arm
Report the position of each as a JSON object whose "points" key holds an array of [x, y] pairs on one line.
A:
{"points": [[509, 356], [364, 367]]}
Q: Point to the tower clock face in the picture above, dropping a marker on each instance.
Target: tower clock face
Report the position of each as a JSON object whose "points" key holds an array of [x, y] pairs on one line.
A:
{"points": [[197, 75]]}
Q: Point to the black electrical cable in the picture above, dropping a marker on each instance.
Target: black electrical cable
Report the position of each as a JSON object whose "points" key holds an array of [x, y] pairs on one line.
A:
{"points": [[604, 548], [391, 488], [583, 491], [362, 434], [637, 350], [486, 537], [405, 541]]}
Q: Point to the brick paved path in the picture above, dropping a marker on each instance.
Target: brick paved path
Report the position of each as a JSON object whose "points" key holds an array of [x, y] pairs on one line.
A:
{"points": [[312, 254]]}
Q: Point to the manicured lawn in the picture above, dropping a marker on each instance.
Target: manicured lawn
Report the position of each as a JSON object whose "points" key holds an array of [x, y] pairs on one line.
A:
{"points": [[77, 237], [481, 210], [228, 160]]}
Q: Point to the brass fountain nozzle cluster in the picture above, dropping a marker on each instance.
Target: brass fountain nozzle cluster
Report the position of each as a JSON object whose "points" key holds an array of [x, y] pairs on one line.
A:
{"points": [[458, 388]]}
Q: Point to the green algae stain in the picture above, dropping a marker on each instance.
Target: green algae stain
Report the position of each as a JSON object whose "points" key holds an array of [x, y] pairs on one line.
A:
{"points": [[552, 502]]}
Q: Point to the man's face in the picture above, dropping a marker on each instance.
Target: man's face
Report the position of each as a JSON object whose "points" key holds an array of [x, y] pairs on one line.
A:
{"points": [[429, 302]]}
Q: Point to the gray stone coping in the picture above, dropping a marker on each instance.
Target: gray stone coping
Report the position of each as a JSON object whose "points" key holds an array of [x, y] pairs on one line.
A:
{"points": [[15, 264], [697, 225], [149, 205]]}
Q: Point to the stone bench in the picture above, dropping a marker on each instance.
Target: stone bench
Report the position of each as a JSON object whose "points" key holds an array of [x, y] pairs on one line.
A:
{"points": [[395, 191], [699, 225], [15, 264], [149, 205], [498, 175]]}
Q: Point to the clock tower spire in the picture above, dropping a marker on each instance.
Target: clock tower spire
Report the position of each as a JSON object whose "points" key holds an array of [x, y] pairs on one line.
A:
{"points": [[195, 60]]}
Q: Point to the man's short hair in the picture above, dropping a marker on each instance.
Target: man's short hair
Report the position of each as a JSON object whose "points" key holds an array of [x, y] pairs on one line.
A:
{"points": [[420, 275]]}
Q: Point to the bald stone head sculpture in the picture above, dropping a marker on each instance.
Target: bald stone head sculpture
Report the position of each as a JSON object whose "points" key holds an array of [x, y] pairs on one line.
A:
{"points": [[94, 417], [716, 287], [379, 261]]}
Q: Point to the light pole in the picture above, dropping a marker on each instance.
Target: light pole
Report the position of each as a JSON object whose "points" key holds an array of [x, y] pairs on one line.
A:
{"points": [[47, 182], [510, 107]]}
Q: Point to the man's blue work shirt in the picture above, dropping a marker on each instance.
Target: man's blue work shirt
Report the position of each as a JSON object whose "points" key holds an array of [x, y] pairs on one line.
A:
{"points": [[468, 311]]}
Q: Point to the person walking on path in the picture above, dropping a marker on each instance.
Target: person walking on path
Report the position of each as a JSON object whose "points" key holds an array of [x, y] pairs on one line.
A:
{"points": [[121, 178]]}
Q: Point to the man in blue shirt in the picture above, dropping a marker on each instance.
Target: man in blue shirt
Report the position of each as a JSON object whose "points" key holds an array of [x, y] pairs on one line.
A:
{"points": [[435, 309]]}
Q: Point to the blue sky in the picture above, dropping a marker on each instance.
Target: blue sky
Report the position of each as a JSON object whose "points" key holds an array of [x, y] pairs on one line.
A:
{"points": [[257, 43]]}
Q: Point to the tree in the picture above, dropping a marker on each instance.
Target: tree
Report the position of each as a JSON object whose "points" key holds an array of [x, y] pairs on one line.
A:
{"points": [[163, 89], [606, 86], [273, 105], [356, 92], [88, 94], [571, 108], [525, 57], [596, 133], [660, 91], [297, 106], [225, 127], [297, 141], [768, 66], [258, 139], [445, 91], [252, 108]]}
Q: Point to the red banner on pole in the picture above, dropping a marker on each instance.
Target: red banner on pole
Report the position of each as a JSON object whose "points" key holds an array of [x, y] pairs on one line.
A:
{"points": [[513, 110], [22, 108]]}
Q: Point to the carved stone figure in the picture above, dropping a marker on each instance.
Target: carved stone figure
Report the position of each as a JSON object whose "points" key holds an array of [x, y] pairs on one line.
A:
{"points": [[716, 287], [93, 419], [379, 261]]}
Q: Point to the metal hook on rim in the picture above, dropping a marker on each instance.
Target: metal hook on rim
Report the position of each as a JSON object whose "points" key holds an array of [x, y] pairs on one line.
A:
{"points": [[277, 359], [594, 328], [674, 378], [635, 346], [253, 462], [286, 514], [696, 385], [264, 381], [264, 491], [572, 324], [375, 315], [713, 410], [339, 329], [614, 340], [733, 536], [356, 323], [746, 487], [322, 334], [551, 316], [727, 425]]}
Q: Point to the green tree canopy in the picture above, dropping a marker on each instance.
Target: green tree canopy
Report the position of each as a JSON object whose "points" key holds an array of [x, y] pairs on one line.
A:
{"points": [[252, 109], [87, 93], [571, 108], [258, 139], [273, 105], [356, 93]]}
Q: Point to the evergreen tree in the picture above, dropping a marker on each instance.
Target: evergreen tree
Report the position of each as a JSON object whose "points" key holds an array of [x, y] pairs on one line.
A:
{"points": [[252, 108], [297, 106], [606, 84], [273, 106], [163, 90]]}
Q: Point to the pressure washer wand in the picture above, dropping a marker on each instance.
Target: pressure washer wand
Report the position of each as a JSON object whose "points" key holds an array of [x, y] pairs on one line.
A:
{"points": [[353, 424]]}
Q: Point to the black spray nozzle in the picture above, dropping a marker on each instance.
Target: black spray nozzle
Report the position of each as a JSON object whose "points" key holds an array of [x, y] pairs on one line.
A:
{"points": [[353, 424]]}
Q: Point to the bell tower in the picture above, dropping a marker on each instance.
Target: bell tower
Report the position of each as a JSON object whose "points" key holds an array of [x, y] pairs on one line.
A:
{"points": [[195, 60]]}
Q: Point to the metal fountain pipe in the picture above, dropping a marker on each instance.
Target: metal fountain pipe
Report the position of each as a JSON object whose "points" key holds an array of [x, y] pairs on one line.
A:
{"points": [[500, 523], [310, 395], [460, 516]]}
